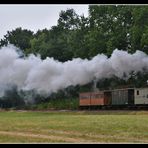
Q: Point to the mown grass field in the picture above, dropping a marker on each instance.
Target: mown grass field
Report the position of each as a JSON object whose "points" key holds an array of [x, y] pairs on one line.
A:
{"points": [[74, 127]]}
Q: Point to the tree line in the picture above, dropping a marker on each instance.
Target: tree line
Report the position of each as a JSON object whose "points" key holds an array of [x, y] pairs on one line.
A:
{"points": [[105, 29]]}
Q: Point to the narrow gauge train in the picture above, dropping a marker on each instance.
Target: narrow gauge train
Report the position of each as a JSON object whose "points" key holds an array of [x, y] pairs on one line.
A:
{"points": [[128, 98]]}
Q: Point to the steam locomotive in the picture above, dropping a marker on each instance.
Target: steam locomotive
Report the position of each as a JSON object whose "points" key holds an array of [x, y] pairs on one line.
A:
{"points": [[127, 98]]}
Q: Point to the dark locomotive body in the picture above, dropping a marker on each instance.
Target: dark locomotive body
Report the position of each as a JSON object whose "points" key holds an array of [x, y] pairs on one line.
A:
{"points": [[130, 98]]}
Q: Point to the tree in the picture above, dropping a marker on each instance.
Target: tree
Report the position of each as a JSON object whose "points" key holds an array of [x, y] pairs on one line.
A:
{"points": [[18, 37], [56, 42], [139, 28], [40, 44], [68, 20], [11, 98], [109, 28]]}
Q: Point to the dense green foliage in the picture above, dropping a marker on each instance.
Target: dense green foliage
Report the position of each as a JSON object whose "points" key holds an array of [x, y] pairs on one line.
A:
{"points": [[107, 27], [54, 104], [11, 99]]}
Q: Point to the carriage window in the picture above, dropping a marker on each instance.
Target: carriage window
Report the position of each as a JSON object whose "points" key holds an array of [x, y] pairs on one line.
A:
{"points": [[94, 96], [137, 92], [147, 96], [98, 96], [85, 97]]}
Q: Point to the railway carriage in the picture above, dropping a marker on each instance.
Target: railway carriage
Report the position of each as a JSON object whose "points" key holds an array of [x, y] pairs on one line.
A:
{"points": [[117, 98]]}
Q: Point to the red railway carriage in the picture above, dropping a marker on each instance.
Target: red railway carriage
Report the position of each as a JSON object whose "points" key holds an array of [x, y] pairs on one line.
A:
{"points": [[85, 99], [94, 98]]}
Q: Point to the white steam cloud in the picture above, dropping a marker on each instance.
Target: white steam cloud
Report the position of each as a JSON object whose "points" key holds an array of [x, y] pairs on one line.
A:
{"points": [[49, 75]]}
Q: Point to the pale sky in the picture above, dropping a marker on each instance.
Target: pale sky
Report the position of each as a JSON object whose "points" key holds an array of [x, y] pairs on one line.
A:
{"points": [[33, 17]]}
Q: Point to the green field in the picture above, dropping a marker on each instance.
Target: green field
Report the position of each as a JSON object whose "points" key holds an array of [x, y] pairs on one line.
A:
{"points": [[74, 127]]}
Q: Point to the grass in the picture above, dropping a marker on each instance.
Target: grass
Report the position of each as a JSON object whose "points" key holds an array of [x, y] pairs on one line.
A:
{"points": [[74, 127]]}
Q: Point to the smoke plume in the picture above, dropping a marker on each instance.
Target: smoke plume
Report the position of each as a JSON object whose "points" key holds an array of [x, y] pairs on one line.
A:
{"points": [[49, 75]]}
